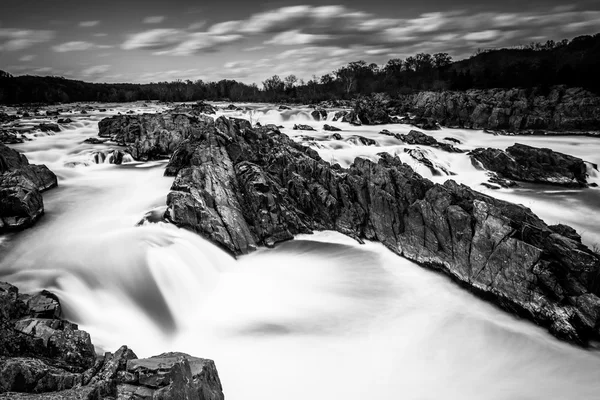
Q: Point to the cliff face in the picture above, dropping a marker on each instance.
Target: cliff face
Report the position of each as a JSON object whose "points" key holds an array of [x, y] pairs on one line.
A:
{"points": [[515, 110], [243, 187]]}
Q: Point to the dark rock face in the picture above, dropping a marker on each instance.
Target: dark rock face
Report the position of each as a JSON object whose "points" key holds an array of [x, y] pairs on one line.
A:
{"points": [[300, 127], [371, 111], [47, 127], [21, 185], [531, 164], [319, 115], [515, 110], [242, 187], [195, 109], [10, 137], [419, 138], [152, 136], [45, 357], [331, 128]]}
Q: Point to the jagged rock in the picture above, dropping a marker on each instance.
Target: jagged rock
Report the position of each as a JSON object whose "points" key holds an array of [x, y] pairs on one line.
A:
{"points": [[233, 107], [339, 116], [453, 140], [8, 137], [300, 127], [47, 127], [195, 109], [563, 109], [531, 164], [330, 128], [258, 187], [371, 111], [319, 115], [361, 141], [21, 185], [4, 118], [282, 107], [64, 120], [94, 140], [52, 113], [152, 136], [352, 118], [49, 358], [566, 231], [425, 157], [416, 137]]}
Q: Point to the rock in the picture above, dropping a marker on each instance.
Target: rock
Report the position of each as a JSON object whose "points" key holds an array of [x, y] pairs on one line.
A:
{"points": [[336, 136], [416, 137], [361, 141], [152, 136], [21, 185], [94, 140], [44, 127], [531, 164], [428, 124], [64, 120], [330, 128], [8, 137], [49, 358], [352, 118], [453, 140], [282, 107], [319, 115], [425, 157], [233, 107], [251, 187], [339, 116], [300, 127], [5, 118], [52, 113], [371, 111], [563, 109], [566, 231], [196, 109]]}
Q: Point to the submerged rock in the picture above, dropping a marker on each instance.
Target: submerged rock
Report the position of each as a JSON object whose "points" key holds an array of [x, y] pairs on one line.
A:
{"points": [[242, 187], [45, 357], [48, 127], [531, 164], [21, 185], [300, 127]]}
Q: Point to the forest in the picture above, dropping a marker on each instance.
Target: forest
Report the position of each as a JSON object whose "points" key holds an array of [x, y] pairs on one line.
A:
{"points": [[573, 63]]}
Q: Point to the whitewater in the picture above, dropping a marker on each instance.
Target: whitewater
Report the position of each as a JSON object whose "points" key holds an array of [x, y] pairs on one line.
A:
{"points": [[318, 317]]}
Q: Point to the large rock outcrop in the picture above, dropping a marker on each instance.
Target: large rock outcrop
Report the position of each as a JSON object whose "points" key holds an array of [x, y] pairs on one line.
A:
{"points": [[21, 184], [45, 357], [531, 164], [243, 187], [516, 110]]}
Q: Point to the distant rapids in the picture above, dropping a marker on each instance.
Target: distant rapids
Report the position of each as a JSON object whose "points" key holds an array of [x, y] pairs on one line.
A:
{"points": [[319, 317]]}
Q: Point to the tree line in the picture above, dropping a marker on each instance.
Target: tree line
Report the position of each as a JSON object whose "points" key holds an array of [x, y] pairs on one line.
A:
{"points": [[568, 62]]}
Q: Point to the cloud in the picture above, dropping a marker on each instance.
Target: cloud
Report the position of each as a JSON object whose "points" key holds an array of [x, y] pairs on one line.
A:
{"points": [[88, 24], [343, 29], [73, 46], [156, 19], [20, 39], [95, 71], [27, 58]]}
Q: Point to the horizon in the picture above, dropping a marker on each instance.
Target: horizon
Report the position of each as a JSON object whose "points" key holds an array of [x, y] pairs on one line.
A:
{"points": [[168, 42]]}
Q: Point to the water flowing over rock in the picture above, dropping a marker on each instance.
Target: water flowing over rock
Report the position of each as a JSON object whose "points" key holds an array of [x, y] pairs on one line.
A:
{"points": [[21, 185], [45, 357], [531, 164], [331, 128], [416, 137], [301, 127], [515, 110], [242, 187]]}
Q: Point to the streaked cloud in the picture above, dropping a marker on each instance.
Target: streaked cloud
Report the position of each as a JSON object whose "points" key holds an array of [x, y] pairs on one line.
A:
{"points": [[95, 71], [19, 39], [156, 19], [73, 46], [88, 24], [27, 58]]}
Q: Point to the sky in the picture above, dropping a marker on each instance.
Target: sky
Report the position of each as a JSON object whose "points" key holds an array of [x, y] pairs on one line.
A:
{"points": [[150, 41]]}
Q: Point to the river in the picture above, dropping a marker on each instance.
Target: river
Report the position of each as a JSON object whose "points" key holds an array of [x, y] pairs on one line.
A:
{"points": [[318, 317]]}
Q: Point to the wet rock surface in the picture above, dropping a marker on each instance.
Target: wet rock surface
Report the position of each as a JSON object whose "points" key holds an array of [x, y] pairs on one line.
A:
{"points": [[45, 357], [531, 164], [243, 187], [21, 185]]}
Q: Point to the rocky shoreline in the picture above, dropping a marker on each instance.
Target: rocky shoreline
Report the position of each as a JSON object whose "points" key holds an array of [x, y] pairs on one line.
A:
{"points": [[45, 357], [242, 187]]}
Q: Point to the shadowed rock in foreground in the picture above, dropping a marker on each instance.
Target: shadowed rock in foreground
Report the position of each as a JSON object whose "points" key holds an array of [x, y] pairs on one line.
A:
{"points": [[531, 164], [45, 357], [243, 187], [21, 185]]}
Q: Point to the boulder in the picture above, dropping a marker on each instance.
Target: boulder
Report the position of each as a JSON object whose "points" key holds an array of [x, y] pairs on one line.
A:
{"points": [[283, 108], [419, 138], [21, 185], [300, 127], [531, 164], [319, 115], [48, 127], [331, 128]]}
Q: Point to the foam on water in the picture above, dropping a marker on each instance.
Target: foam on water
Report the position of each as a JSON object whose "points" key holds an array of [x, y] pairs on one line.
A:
{"points": [[318, 317]]}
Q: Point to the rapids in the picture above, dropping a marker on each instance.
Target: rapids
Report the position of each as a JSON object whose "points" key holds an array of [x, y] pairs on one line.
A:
{"points": [[318, 317]]}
